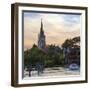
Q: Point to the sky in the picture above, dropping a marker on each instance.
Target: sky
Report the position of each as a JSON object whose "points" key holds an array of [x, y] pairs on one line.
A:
{"points": [[57, 27]]}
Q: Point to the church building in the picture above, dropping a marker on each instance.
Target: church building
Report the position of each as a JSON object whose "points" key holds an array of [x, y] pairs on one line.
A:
{"points": [[41, 38]]}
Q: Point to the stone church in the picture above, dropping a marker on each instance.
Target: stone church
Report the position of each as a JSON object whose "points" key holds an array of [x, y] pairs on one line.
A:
{"points": [[41, 38]]}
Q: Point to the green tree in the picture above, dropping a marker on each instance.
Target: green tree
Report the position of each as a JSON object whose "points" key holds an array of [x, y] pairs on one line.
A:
{"points": [[33, 55], [71, 42]]}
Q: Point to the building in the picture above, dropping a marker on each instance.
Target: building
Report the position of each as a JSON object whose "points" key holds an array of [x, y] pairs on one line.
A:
{"points": [[41, 38], [42, 42], [72, 55]]}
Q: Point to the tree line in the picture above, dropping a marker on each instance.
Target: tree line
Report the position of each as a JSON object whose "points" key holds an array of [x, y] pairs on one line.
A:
{"points": [[53, 57]]}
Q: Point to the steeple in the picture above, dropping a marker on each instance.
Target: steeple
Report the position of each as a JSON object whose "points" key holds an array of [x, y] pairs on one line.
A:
{"points": [[41, 29], [41, 37]]}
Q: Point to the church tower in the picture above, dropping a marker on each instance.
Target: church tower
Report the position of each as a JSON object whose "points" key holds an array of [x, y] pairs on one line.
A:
{"points": [[41, 38]]}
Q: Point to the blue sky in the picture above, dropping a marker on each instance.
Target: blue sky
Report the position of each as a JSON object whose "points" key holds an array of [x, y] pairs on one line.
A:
{"points": [[68, 18]]}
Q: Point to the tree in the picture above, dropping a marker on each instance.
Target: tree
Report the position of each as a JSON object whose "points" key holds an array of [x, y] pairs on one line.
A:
{"points": [[53, 57], [71, 42], [71, 49], [33, 55]]}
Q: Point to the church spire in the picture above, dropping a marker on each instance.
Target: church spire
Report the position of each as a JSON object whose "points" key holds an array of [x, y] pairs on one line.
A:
{"points": [[41, 30], [41, 38]]}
